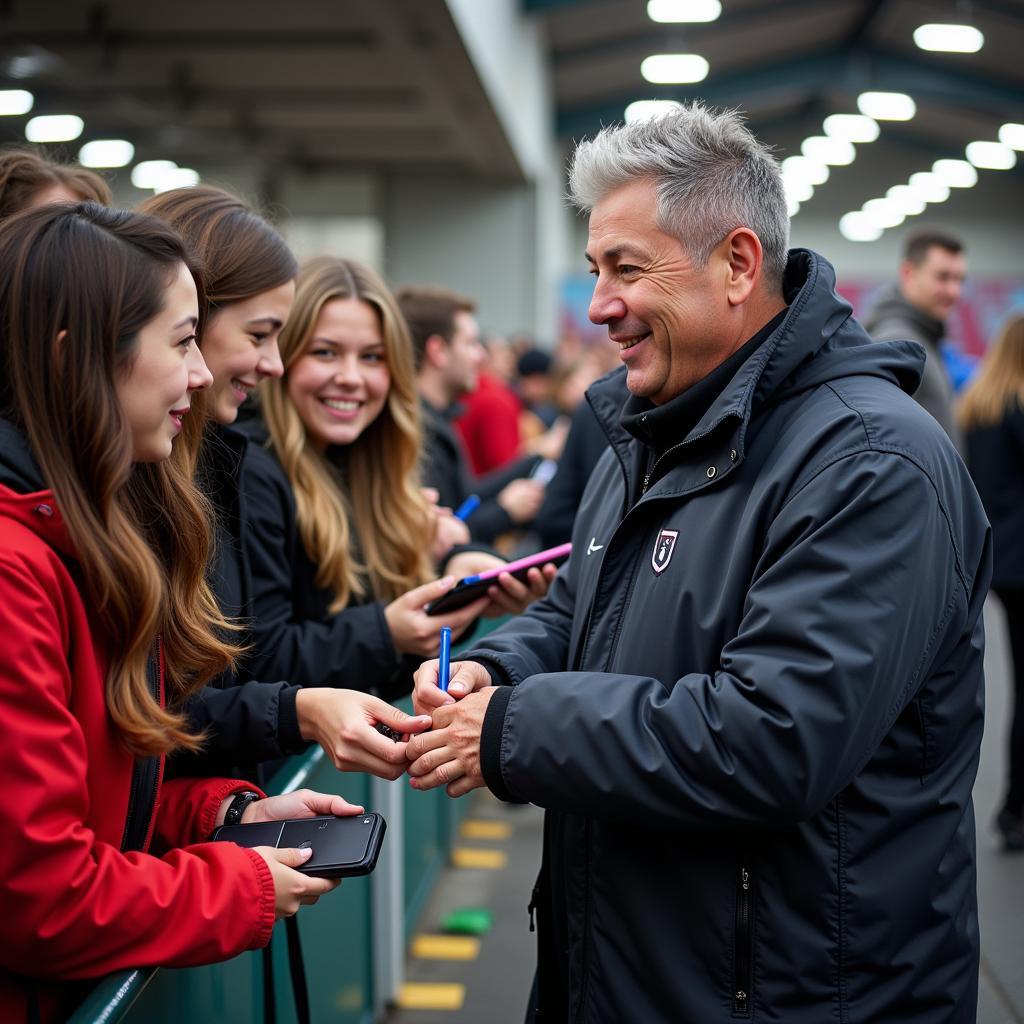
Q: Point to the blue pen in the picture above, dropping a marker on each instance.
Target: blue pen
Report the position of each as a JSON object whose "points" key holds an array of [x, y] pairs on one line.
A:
{"points": [[444, 669], [468, 507]]}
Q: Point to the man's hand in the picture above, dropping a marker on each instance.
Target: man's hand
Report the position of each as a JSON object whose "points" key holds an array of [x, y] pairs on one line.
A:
{"points": [[464, 677], [521, 499], [449, 755], [344, 723]]}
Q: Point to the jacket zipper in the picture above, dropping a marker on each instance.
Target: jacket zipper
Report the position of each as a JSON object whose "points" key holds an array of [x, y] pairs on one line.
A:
{"points": [[742, 965], [665, 454], [145, 777]]}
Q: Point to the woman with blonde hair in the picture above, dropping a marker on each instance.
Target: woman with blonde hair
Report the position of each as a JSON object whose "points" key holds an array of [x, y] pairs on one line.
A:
{"points": [[108, 625], [992, 416]]}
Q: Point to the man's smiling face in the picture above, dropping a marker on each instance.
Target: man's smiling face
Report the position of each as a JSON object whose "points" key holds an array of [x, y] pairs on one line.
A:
{"points": [[668, 316]]}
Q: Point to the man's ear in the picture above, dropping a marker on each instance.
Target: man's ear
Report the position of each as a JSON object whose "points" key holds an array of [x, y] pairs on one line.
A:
{"points": [[744, 258], [435, 352]]}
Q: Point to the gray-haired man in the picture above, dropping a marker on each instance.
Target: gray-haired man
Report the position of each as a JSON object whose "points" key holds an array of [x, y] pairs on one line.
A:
{"points": [[751, 702]]}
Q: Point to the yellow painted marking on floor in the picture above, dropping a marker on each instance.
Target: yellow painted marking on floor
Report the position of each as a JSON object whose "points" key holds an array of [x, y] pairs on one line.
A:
{"points": [[423, 996], [446, 947], [492, 860], [485, 830]]}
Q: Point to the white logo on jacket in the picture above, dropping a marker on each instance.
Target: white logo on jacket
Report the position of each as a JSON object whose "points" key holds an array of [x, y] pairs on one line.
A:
{"points": [[664, 547]]}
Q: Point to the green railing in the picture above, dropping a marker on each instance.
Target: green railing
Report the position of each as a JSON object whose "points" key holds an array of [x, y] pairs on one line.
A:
{"points": [[353, 940]]}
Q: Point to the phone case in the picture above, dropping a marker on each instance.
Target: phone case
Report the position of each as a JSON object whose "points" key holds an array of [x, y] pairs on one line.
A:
{"points": [[342, 847]]}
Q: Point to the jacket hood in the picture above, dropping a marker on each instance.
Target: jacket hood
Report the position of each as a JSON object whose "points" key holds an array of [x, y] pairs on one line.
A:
{"points": [[24, 495], [892, 306], [818, 341]]}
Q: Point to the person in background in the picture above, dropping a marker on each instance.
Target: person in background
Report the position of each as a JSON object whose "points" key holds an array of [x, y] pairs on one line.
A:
{"points": [[991, 415], [446, 342], [932, 277], [752, 702], [250, 279], [535, 384], [108, 626], [29, 178]]}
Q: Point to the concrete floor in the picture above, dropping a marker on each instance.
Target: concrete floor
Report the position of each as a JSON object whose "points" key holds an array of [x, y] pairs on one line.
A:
{"points": [[498, 981]]}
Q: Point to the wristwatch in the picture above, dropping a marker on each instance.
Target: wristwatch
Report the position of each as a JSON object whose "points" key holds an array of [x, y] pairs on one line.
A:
{"points": [[237, 806]]}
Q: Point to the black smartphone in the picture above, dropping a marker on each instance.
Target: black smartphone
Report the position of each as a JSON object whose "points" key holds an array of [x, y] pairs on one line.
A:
{"points": [[470, 588], [342, 847]]}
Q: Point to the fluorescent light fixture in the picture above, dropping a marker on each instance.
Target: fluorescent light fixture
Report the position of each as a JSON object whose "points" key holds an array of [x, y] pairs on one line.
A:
{"points": [[800, 168], [828, 151], [179, 177], [106, 153], [14, 102], [906, 199], [884, 213], [1012, 135], [800, 191], [683, 10], [54, 128], [674, 68], [644, 110], [955, 173], [929, 187], [792, 207], [851, 127], [857, 227], [887, 106], [993, 156], [148, 173], [949, 38]]}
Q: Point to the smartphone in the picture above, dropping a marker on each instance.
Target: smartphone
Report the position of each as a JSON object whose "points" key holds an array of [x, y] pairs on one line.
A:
{"points": [[342, 847], [470, 588]]}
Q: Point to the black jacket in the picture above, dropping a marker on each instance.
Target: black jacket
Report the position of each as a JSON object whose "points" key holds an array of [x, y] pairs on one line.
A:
{"points": [[293, 632], [247, 722], [995, 456], [752, 703]]}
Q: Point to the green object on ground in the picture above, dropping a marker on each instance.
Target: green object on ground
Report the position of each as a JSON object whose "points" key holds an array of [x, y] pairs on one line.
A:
{"points": [[468, 921]]}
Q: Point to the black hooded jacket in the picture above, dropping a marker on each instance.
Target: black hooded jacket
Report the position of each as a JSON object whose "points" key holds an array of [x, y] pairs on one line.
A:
{"points": [[751, 702]]}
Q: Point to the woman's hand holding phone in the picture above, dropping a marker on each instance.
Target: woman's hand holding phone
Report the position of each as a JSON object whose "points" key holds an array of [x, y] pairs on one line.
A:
{"points": [[413, 631]]}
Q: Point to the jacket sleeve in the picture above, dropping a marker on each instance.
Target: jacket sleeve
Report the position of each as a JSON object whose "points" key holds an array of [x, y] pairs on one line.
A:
{"points": [[856, 587], [73, 905], [246, 722], [352, 648]]}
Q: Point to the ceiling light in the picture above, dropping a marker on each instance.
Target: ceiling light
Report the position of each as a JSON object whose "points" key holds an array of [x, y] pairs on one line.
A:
{"points": [[792, 207], [906, 199], [644, 110], [828, 151], [106, 153], [148, 173], [54, 128], [852, 127], [857, 227], [929, 187], [177, 177], [1012, 135], [887, 106], [884, 213], [993, 156], [683, 10], [800, 168], [674, 68], [801, 191], [15, 101], [955, 173], [949, 38]]}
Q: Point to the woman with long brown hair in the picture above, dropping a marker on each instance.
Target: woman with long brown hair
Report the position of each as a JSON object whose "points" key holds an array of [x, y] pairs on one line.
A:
{"points": [[249, 274], [108, 624], [29, 178], [991, 414]]}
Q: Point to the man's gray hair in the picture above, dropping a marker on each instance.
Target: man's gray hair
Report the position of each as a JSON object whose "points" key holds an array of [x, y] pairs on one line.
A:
{"points": [[711, 176]]}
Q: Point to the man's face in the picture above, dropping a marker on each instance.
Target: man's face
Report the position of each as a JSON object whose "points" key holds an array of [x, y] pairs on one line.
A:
{"points": [[668, 317], [935, 285], [465, 356]]}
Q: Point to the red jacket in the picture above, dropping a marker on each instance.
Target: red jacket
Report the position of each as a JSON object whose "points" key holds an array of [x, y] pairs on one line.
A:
{"points": [[73, 906], [489, 424]]}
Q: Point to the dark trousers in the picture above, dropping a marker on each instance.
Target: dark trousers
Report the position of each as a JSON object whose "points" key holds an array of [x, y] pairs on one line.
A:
{"points": [[1013, 602]]}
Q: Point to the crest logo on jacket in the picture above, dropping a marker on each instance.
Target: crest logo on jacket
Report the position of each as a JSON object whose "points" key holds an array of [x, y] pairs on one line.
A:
{"points": [[664, 547]]}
